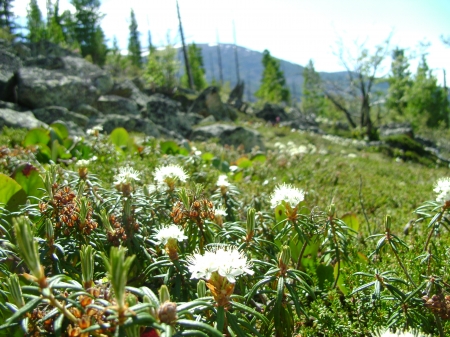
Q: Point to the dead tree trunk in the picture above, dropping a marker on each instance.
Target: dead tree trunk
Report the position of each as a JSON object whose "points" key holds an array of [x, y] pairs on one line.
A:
{"points": [[186, 59]]}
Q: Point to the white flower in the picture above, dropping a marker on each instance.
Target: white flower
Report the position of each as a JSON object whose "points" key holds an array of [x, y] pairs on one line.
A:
{"points": [[174, 172], [226, 260], [82, 163], [442, 189], [95, 130], [288, 194], [233, 168], [170, 232], [126, 176], [220, 211], [223, 181]]}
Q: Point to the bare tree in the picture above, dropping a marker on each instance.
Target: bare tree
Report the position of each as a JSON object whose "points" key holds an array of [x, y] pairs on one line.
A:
{"points": [[363, 70]]}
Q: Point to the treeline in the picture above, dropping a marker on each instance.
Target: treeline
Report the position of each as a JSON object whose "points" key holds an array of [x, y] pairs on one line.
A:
{"points": [[414, 97]]}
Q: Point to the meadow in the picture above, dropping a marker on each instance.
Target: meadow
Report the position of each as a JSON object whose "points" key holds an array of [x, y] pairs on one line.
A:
{"points": [[124, 235]]}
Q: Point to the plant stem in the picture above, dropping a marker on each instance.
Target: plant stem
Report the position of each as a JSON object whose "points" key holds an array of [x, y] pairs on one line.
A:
{"points": [[404, 268], [300, 256]]}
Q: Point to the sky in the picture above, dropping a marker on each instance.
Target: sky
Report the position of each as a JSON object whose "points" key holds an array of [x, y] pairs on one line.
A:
{"points": [[292, 30]]}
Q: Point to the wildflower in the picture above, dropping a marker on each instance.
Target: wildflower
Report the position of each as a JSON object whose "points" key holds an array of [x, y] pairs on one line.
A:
{"points": [[170, 232], [169, 237], [223, 260], [222, 181], [95, 130], [82, 166], [233, 168], [169, 175], [82, 163], [219, 214], [126, 175], [442, 189], [288, 194]]}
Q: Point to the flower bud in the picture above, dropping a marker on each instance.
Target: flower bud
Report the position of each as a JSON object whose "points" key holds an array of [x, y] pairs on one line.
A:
{"points": [[332, 210], [285, 256], [250, 221], [164, 295], [387, 223], [201, 289], [167, 312]]}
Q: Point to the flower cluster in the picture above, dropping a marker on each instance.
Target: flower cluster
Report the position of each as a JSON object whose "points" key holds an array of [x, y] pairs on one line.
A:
{"points": [[225, 260], [223, 181], [171, 232], [127, 175], [288, 194], [167, 176], [442, 189]]}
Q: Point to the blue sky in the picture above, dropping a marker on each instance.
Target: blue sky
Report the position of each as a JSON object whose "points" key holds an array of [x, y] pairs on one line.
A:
{"points": [[293, 30]]}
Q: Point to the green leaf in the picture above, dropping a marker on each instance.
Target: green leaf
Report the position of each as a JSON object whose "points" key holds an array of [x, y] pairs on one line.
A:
{"points": [[238, 177], [61, 130], [36, 136], [11, 193], [169, 147], [244, 162], [259, 157], [201, 326], [340, 281], [280, 213], [29, 178], [119, 137], [324, 273], [351, 221], [26, 308], [207, 156]]}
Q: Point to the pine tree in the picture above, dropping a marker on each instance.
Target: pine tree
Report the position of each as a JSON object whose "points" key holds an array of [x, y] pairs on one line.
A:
{"points": [[399, 82], [35, 23], [55, 32], [426, 100], [273, 84], [134, 46], [88, 32], [197, 68], [162, 68], [6, 16], [313, 99]]}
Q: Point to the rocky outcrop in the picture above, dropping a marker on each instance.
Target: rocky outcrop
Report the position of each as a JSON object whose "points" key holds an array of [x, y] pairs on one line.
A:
{"points": [[51, 114], [208, 103], [116, 105], [273, 113], [9, 64], [165, 112], [396, 129], [130, 123], [230, 135], [88, 111], [128, 89], [16, 119]]}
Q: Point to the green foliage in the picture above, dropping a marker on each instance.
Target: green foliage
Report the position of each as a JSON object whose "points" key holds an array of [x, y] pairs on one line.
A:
{"points": [[313, 100], [7, 16], [197, 68], [273, 84], [426, 100], [162, 68], [400, 82], [134, 45], [88, 32], [35, 23]]}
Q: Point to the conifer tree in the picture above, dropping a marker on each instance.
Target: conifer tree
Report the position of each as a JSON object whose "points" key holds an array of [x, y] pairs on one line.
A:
{"points": [[162, 67], [313, 99], [273, 84], [426, 100], [399, 82], [134, 46], [6, 16], [87, 29], [35, 23], [197, 68], [55, 32]]}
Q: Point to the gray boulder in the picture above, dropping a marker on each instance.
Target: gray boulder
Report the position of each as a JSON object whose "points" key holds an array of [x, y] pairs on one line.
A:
{"points": [[130, 123], [16, 119], [116, 105], [208, 103], [230, 135], [87, 110], [128, 89], [38, 88], [165, 112], [9, 64], [272, 113], [53, 113]]}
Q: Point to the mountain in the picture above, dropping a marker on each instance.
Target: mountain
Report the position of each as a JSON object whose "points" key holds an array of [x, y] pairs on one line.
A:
{"points": [[251, 69]]}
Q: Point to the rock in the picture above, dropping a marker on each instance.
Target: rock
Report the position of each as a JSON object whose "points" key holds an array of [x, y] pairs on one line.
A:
{"points": [[62, 80], [130, 123], [165, 112], [12, 106], [38, 88], [273, 113], [209, 103], [73, 128], [116, 105], [229, 135], [9, 64], [53, 113], [16, 119], [396, 129], [299, 121], [129, 90], [87, 110]]}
